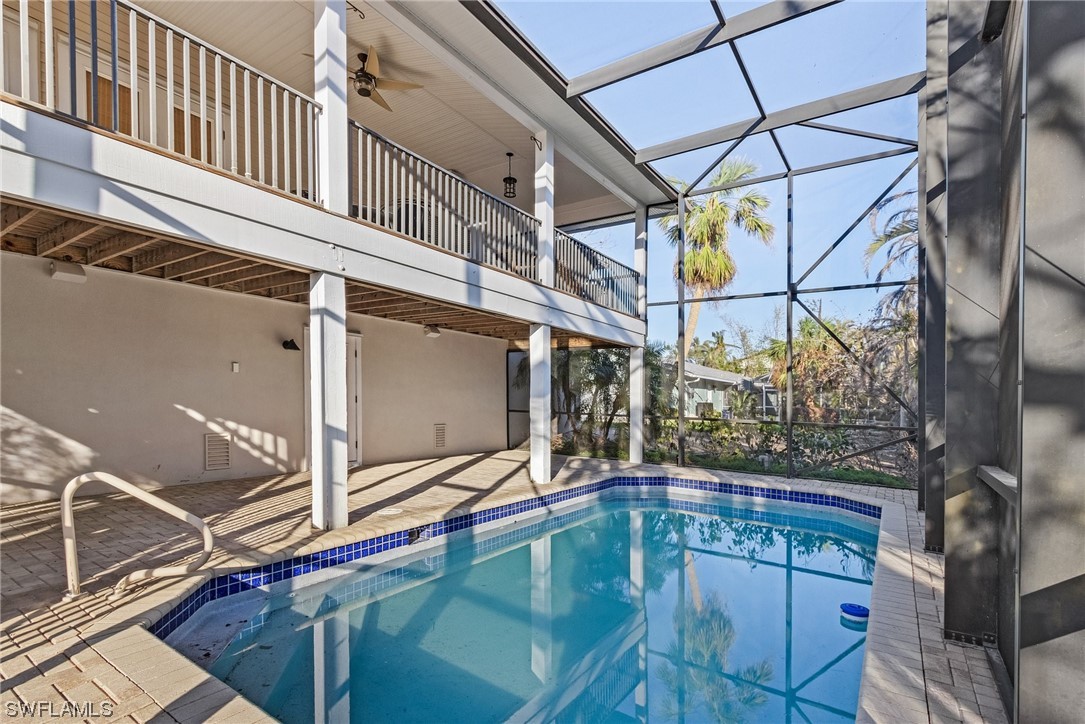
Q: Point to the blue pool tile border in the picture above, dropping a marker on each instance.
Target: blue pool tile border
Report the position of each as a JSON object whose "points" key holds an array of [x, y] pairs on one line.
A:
{"points": [[231, 583]]}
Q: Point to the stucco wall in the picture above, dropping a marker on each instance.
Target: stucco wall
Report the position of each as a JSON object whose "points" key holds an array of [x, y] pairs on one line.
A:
{"points": [[126, 374]]}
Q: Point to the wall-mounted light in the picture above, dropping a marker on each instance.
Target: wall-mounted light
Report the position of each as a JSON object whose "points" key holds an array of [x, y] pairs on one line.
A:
{"points": [[510, 181], [431, 330], [291, 345], [64, 271]]}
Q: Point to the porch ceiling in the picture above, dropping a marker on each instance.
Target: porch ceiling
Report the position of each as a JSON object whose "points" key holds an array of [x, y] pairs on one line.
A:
{"points": [[448, 121], [52, 234]]}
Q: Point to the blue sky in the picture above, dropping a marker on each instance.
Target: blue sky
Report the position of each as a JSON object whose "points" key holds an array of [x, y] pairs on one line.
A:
{"points": [[836, 49]]}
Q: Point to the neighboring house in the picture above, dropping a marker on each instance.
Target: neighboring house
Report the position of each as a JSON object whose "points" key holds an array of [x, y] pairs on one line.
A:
{"points": [[712, 392]]}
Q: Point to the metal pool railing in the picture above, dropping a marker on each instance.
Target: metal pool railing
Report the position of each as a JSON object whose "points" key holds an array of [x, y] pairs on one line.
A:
{"points": [[159, 85], [71, 549]]}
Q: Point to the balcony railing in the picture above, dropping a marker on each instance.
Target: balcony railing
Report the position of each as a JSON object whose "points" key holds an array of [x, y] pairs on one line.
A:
{"points": [[159, 85], [165, 88], [592, 275], [403, 192]]}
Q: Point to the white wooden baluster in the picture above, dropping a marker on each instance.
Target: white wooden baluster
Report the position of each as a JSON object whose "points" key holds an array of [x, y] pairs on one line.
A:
{"points": [[24, 49], [233, 117], [286, 140], [219, 161], [248, 125], [152, 87], [273, 106], [133, 66], [170, 143], [187, 98], [205, 152], [50, 83], [297, 146], [260, 128]]}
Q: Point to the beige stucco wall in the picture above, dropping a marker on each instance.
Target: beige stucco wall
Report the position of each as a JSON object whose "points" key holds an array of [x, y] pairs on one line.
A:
{"points": [[125, 374]]}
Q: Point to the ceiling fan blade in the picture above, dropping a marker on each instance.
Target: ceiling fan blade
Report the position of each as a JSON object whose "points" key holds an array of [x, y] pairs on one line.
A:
{"points": [[373, 64], [390, 84], [379, 100]]}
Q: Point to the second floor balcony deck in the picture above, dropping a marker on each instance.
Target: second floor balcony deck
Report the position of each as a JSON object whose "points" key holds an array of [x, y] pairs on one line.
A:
{"points": [[114, 66]]}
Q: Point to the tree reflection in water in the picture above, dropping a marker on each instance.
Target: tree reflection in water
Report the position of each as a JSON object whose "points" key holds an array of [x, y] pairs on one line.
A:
{"points": [[709, 636]]}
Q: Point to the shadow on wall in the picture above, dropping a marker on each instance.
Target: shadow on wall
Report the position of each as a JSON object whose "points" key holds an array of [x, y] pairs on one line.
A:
{"points": [[35, 457], [38, 461]]}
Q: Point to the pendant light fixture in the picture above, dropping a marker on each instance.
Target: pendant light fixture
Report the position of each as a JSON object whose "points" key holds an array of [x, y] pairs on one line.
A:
{"points": [[510, 181]]}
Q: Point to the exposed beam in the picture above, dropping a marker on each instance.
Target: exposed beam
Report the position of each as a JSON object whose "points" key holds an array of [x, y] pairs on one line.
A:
{"points": [[276, 280], [158, 258], [876, 93], [694, 42], [204, 262], [254, 271], [15, 216], [289, 290], [117, 245], [217, 269], [66, 233]]}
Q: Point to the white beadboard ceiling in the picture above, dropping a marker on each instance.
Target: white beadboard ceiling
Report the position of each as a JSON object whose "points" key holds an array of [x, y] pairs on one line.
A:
{"points": [[448, 121]]}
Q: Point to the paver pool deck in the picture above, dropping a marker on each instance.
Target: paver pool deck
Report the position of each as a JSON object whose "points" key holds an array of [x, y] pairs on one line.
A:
{"points": [[56, 655]]}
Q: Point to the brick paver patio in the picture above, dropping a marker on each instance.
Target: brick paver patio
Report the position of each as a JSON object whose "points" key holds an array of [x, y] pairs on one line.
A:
{"points": [[56, 654]]}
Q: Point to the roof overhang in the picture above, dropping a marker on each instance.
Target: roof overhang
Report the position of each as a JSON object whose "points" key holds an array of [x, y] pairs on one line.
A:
{"points": [[479, 43]]}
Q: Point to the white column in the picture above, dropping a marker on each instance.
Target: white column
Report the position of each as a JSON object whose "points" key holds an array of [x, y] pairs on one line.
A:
{"points": [[328, 396], [539, 406], [636, 354], [331, 670], [636, 405], [640, 258], [542, 640], [544, 205], [330, 91]]}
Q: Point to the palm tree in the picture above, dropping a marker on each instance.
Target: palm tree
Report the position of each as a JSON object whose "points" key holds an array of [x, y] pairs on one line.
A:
{"points": [[709, 266]]}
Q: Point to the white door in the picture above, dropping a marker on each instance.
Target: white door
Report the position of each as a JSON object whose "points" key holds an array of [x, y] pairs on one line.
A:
{"points": [[354, 399], [354, 394]]}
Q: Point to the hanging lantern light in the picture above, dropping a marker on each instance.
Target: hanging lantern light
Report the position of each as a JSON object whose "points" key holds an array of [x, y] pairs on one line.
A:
{"points": [[510, 181]]}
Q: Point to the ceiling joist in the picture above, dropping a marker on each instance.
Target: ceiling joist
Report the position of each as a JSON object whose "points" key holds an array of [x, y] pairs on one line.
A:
{"points": [[121, 244], [15, 216], [64, 234], [158, 258]]}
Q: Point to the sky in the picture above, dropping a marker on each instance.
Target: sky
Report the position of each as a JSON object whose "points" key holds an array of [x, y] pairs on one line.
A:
{"points": [[836, 49]]}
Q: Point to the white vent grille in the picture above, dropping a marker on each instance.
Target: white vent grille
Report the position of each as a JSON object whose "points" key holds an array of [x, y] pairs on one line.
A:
{"points": [[439, 435], [216, 451]]}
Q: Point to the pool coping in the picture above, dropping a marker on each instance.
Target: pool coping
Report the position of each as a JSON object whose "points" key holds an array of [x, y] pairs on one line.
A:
{"points": [[892, 645]]}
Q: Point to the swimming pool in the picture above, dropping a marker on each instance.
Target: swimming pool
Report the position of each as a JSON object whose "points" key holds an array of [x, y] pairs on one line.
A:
{"points": [[657, 607]]}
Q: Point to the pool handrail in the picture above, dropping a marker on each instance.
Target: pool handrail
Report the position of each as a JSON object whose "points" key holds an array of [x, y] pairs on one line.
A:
{"points": [[71, 552]]}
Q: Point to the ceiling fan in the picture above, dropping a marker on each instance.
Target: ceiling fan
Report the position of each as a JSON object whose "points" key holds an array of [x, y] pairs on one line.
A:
{"points": [[368, 81]]}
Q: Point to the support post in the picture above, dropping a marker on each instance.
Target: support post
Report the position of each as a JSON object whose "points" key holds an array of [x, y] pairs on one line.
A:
{"points": [[328, 395], [636, 405], [330, 91], [933, 154], [539, 406], [544, 205], [542, 640], [680, 351], [331, 669]]}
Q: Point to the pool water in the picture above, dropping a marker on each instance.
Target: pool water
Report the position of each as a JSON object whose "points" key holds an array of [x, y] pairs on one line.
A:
{"points": [[648, 609]]}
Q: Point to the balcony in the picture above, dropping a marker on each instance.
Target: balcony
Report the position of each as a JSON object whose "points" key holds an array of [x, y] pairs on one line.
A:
{"points": [[215, 111]]}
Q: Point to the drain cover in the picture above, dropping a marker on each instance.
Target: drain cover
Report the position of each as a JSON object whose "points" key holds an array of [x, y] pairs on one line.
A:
{"points": [[389, 511]]}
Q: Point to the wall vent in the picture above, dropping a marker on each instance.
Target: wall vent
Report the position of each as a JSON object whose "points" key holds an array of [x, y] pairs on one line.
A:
{"points": [[216, 451], [439, 435]]}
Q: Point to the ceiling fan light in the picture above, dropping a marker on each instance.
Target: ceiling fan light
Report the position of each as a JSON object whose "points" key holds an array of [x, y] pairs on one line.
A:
{"points": [[364, 84]]}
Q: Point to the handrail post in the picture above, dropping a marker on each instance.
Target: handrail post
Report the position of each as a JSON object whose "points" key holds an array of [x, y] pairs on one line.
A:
{"points": [[544, 206]]}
